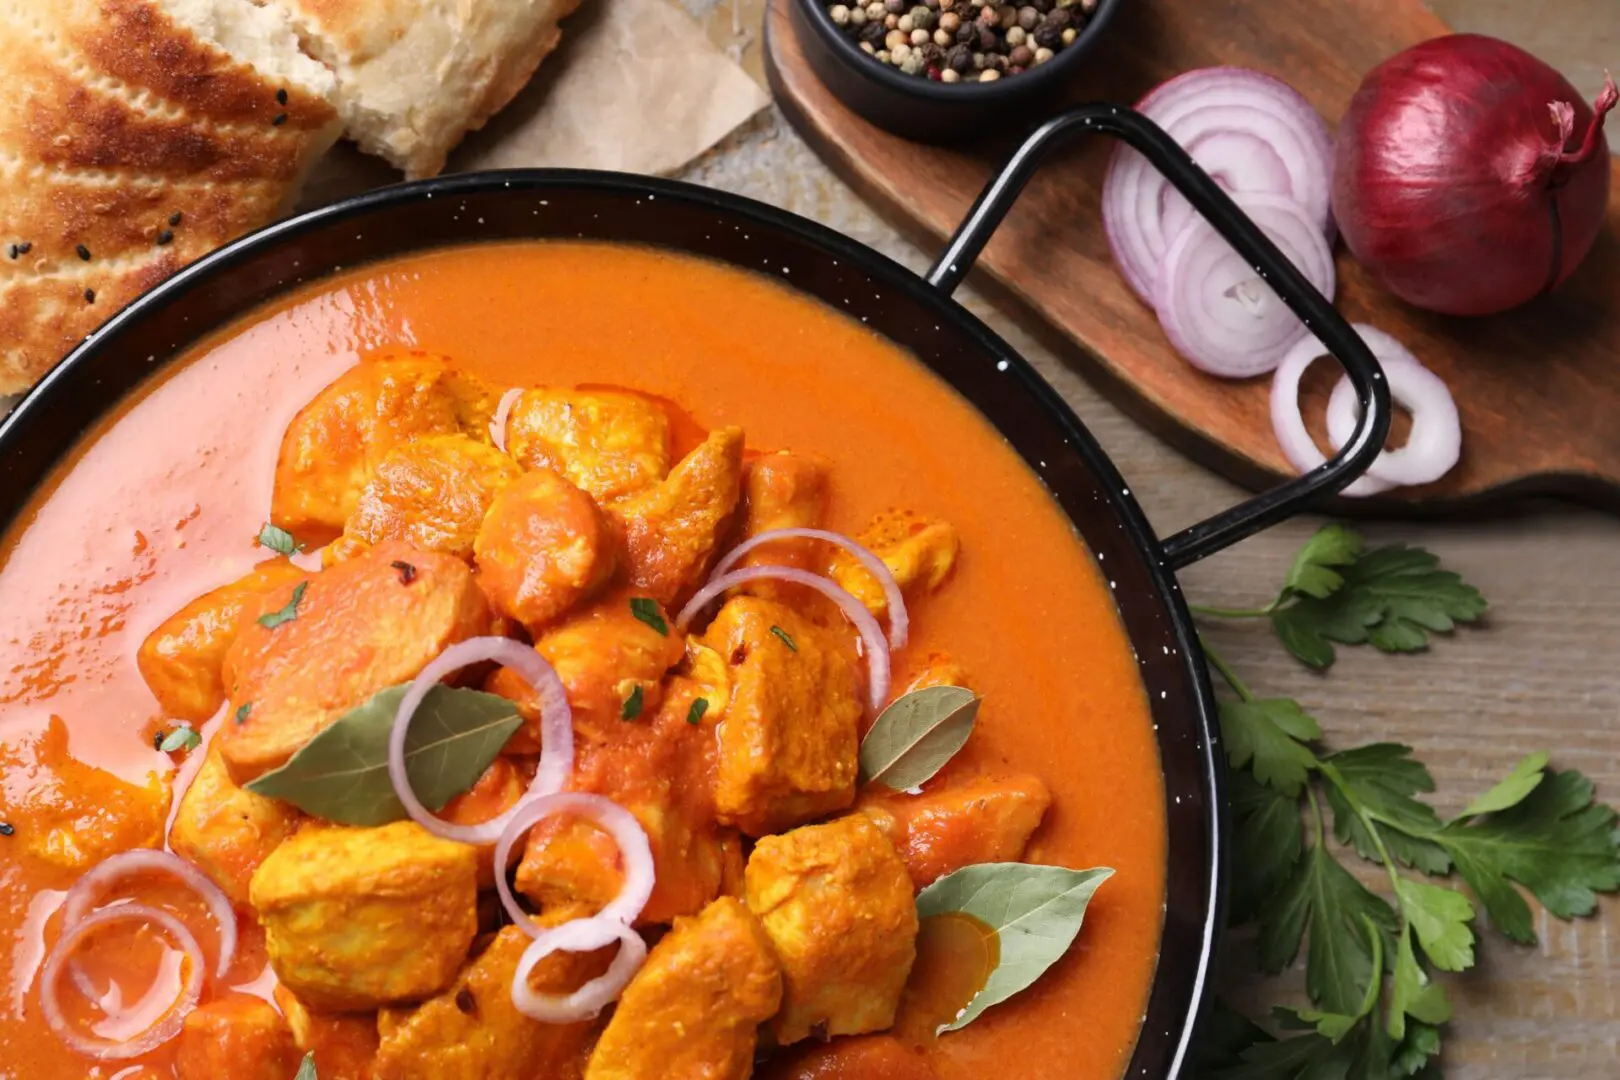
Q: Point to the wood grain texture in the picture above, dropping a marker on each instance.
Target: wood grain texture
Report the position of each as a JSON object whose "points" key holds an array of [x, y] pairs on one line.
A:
{"points": [[1535, 387]]}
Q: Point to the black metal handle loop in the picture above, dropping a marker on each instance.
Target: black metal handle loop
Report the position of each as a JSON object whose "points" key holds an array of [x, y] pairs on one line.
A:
{"points": [[1207, 197]]}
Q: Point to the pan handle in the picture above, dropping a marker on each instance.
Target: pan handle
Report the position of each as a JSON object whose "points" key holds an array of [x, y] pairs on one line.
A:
{"points": [[1372, 389]]}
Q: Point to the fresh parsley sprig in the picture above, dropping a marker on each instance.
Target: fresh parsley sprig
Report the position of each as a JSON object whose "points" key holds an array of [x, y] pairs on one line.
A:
{"points": [[1337, 591], [1374, 1010]]}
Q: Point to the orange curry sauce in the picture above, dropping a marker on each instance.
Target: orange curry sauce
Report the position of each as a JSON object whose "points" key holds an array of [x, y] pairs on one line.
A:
{"points": [[163, 503]]}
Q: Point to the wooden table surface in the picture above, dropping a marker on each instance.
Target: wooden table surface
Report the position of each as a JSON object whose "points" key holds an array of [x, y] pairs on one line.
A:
{"points": [[1544, 672]]}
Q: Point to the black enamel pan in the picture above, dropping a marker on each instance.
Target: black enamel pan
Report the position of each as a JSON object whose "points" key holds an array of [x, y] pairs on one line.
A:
{"points": [[915, 312]]}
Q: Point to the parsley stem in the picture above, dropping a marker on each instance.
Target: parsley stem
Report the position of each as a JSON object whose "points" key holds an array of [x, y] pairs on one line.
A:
{"points": [[1232, 613], [1225, 670]]}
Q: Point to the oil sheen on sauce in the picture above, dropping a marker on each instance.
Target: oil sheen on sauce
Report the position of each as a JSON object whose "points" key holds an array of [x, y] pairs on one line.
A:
{"points": [[163, 502]]}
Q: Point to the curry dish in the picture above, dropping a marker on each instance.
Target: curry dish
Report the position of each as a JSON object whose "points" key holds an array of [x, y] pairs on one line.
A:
{"points": [[564, 661]]}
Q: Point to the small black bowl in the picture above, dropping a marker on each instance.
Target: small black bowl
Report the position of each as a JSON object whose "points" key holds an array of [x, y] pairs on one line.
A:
{"points": [[925, 110]]}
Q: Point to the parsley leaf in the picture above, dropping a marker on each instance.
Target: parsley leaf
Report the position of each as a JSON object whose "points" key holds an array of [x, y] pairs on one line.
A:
{"points": [[694, 715], [242, 713], [1314, 571], [1413, 994], [1392, 597], [1267, 837], [288, 613], [278, 540], [1513, 789], [1556, 842], [1382, 778], [1439, 916], [632, 704], [646, 609], [1267, 736], [786, 638], [1324, 898], [183, 737]]}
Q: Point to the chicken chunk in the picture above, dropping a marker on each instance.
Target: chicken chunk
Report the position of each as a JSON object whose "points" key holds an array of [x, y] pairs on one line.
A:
{"points": [[357, 918], [305, 655], [787, 744], [865, 1057], [70, 814], [694, 1008], [238, 1036], [657, 769], [671, 531], [608, 443], [472, 1029], [604, 655], [986, 818], [344, 1044], [937, 669], [432, 492], [183, 659], [919, 551], [542, 548], [837, 904], [334, 444], [226, 831]]}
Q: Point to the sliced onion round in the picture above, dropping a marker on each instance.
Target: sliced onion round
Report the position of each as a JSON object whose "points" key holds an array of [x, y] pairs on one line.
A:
{"points": [[503, 412], [1217, 310], [634, 851], [556, 731], [1435, 444], [166, 1027], [1248, 130], [1288, 421], [106, 874], [899, 621], [877, 648], [578, 935]]}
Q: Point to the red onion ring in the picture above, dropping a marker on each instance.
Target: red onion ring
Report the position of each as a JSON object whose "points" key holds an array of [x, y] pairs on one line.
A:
{"points": [[1203, 111], [1435, 444], [877, 648], [159, 1033], [634, 850], [1289, 422], [503, 411], [899, 621], [556, 731], [1216, 309], [110, 871], [578, 935]]}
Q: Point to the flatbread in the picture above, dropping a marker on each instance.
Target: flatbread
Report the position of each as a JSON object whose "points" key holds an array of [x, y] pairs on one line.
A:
{"points": [[137, 135], [414, 76]]}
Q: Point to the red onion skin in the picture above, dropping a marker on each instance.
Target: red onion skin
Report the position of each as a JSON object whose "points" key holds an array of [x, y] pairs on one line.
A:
{"points": [[1453, 183]]}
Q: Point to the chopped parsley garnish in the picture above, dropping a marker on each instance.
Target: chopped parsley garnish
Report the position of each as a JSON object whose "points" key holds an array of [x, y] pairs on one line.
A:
{"points": [[786, 638], [407, 572], [242, 713], [694, 715], [646, 609], [286, 614], [632, 704], [278, 540], [183, 737]]}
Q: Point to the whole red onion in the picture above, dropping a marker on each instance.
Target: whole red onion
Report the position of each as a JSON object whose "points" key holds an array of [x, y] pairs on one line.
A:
{"points": [[1469, 176]]}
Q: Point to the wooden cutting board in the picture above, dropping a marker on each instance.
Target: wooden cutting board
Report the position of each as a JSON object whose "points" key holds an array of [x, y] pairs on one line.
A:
{"points": [[1538, 388]]}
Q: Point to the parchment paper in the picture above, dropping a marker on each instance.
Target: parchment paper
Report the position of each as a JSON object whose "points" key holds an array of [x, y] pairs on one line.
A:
{"points": [[636, 85]]}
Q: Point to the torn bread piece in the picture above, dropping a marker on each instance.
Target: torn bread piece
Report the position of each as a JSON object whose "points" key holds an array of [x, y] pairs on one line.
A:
{"points": [[138, 135], [415, 76]]}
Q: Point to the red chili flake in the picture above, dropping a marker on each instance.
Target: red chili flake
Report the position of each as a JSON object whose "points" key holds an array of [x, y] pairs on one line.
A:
{"points": [[933, 73], [465, 1001], [407, 572]]}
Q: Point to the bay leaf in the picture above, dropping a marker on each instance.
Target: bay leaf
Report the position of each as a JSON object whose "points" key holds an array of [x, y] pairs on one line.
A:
{"points": [[342, 773], [914, 737], [1035, 912]]}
